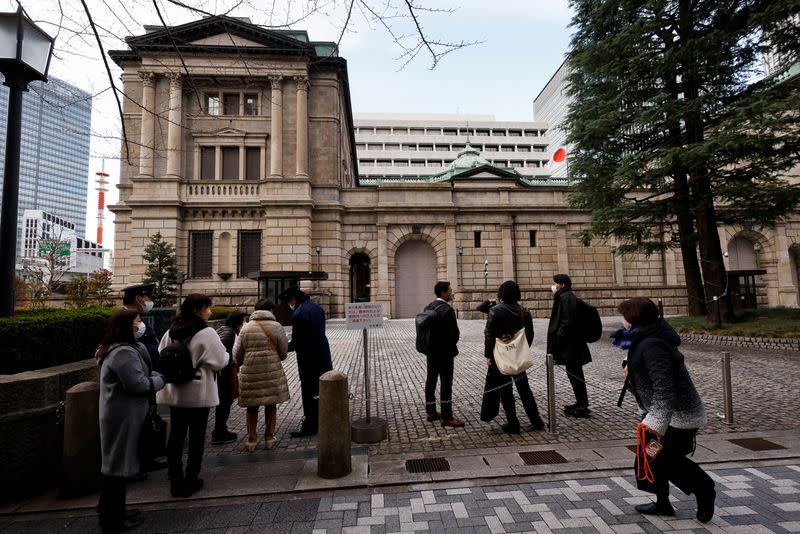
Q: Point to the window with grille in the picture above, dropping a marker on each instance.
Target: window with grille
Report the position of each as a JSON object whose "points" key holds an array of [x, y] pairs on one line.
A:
{"points": [[231, 101], [212, 104], [252, 163], [200, 254], [477, 236], [251, 104], [230, 163], [249, 252], [208, 159]]}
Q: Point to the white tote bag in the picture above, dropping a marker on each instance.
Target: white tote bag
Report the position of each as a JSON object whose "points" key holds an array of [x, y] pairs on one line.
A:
{"points": [[513, 356]]}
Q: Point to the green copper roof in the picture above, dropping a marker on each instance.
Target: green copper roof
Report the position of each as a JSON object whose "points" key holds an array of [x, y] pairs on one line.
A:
{"points": [[468, 159]]}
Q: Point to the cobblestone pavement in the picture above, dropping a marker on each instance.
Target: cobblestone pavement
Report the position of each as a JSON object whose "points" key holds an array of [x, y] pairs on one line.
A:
{"points": [[764, 392], [762, 499]]}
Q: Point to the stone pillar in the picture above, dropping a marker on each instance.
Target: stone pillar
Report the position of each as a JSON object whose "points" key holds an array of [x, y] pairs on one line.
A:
{"points": [[452, 255], [383, 269], [508, 252], [302, 125], [561, 245], [787, 293], [276, 127], [82, 439], [174, 130], [671, 267], [147, 137], [333, 444]]}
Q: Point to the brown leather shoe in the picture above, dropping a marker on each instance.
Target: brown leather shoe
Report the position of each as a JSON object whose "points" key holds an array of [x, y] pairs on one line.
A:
{"points": [[455, 423], [435, 416]]}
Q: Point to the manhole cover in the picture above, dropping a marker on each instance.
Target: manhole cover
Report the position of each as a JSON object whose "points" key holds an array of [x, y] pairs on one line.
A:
{"points": [[757, 444], [542, 457], [427, 465]]}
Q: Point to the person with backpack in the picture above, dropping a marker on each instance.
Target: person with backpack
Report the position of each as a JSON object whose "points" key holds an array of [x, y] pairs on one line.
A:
{"points": [[505, 319], [127, 383], [440, 354], [228, 380], [261, 347], [672, 408], [566, 341], [193, 353]]}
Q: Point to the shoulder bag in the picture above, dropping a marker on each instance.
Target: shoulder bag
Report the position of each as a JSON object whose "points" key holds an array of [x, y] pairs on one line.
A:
{"points": [[512, 356]]}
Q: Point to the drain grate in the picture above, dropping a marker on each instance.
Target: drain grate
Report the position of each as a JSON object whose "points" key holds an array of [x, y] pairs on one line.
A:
{"points": [[757, 444], [542, 458], [427, 465]]}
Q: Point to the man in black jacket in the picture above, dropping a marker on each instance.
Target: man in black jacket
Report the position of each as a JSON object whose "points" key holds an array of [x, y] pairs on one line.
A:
{"points": [[566, 344], [440, 356]]}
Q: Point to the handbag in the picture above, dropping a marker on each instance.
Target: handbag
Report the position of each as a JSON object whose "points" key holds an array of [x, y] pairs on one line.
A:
{"points": [[153, 439], [513, 356]]}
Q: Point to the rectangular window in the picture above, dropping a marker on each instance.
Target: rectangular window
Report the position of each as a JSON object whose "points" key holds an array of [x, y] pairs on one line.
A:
{"points": [[230, 163], [252, 167], [426, 148], [249, 252], [250, 104], [200, 254], [477, 236], [231, 103], [212, 104], [208, 159], [532, 237]]}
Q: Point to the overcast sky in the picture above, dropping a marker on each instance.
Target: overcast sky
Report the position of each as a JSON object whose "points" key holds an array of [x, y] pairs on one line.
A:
{"points": [[522, 44]]}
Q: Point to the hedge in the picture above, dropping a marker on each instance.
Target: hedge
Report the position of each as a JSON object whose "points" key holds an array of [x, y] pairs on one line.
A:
{"points": [[35, 340]]}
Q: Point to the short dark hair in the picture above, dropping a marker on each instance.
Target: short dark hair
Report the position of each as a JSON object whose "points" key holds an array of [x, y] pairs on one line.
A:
{"points": [[265, 304], [509, 292], [639, 311], [235, 319], [563, 279], [441, 287]]}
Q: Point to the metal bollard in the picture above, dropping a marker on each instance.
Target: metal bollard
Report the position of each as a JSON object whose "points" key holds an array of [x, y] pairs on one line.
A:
{"points": [[551, 396], [333, 444], [727, 389], [82, 439]]}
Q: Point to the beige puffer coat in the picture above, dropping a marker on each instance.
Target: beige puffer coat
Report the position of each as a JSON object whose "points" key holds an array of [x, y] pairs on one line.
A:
{"points": [[261, 377]]}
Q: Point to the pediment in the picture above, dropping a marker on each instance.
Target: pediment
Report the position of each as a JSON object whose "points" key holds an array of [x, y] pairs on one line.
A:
{"points": [[225, 39], [227, 131], [486, 172]]}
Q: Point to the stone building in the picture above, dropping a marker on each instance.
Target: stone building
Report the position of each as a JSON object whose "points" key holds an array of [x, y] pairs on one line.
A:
{"points": [[241, 152]]}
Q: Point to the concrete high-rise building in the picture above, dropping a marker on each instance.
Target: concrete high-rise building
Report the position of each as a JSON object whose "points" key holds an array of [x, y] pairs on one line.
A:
{"points": [[54, 151], [550, 107]]}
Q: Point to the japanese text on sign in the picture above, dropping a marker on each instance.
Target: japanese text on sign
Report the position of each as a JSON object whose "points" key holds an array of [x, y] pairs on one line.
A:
{"points": [[363, 315]]}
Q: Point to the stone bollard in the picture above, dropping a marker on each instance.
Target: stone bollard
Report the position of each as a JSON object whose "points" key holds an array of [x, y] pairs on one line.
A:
{"points": [[82, 439], [333, 442]]}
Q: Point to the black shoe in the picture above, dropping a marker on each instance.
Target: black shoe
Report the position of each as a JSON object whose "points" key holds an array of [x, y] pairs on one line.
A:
{"points": [[223, 437], [303, 432], [192, 486], [655, 509], [127, 523], [537, 424], [705, 506], [155, 465], [510, 428], [133, 514], [578, 411], [570, 407], [177, 488], [138, 477]]}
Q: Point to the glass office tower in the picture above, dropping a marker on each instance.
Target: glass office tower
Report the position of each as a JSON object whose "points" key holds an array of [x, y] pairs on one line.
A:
{"points": [[54, 151]]}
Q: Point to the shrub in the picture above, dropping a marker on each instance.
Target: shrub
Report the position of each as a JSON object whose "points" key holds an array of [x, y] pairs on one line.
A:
{"points": [[220, 312], [35, 340]]}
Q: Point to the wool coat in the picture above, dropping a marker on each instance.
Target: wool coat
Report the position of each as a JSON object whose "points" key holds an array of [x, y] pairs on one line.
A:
{"points": [[227, 381], [659, 379], [262, 380], [125, 378], [309, 339], [208, 356], [564, 339]]}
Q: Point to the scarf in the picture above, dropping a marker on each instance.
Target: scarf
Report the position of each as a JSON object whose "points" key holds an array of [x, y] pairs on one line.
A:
{"points": [[622, 338]]}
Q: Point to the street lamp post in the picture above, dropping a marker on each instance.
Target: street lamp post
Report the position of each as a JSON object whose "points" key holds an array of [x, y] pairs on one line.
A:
{"points": [[25, 52]]}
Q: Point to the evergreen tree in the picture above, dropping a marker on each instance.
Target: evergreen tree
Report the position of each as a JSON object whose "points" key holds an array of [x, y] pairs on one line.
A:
{"points": [[675, 128], [161, 269]]}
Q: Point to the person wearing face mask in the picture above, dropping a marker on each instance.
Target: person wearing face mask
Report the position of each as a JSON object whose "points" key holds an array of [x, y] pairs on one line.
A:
{"points": [[189, 403], [671, 407], [139, 298], [127, 381], [566, 344]]}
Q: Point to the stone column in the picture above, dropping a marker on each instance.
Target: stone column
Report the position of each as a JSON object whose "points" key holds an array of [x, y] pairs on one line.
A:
{"points": [[787, 293], [452, 254], [276, 127], [383, 269], [147, 137], [174, 131], [302, 125], [671, 267], [508, 253], [561, 245]]}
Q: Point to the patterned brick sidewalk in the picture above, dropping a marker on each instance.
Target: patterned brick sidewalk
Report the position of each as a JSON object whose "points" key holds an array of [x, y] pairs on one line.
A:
{"points": [[763, 386]]}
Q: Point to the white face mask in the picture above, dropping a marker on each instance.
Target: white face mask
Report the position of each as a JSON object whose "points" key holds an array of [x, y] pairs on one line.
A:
{"points": [[291, 307], [140, 330], [147, 306], [553, 288]]}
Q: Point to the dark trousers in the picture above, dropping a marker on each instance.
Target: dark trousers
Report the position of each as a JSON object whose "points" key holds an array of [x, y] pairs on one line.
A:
{"points": [[309, 389], [578, 382], [195, 421], [672, 465], [111, 506], [439, 368], [221, 414], [525, 395]]}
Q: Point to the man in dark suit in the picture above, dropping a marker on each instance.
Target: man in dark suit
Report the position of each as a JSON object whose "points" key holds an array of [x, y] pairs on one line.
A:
{"points": [[441, 355], [566, 344], [313, 354]]}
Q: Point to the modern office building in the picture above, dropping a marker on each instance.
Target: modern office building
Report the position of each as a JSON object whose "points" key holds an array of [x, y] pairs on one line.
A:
{"points": [[54, 151], [550, 107]]}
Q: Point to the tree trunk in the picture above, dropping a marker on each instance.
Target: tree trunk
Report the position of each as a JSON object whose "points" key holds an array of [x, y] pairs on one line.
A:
{"points": [[691, 267]]}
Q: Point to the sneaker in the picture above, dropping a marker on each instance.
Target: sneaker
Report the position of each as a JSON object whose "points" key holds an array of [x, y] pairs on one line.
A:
{"points": [[453, 422], [221, 439]]}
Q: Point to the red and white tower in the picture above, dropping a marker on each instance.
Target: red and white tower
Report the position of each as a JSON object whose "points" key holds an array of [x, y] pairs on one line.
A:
{"points": [[101, 200]]}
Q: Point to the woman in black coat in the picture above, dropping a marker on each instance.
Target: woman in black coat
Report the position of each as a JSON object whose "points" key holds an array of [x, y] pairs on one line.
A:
{"points": [[505, 319], [672, 409]]}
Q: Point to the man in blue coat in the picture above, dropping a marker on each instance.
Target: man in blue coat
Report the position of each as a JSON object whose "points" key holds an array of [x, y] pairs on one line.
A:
{"points": [[313, 354]]}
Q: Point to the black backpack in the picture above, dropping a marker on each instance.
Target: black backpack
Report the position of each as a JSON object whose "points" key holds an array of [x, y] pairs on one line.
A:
{"points": [[424, 324], [175, 362], [589, 323]]}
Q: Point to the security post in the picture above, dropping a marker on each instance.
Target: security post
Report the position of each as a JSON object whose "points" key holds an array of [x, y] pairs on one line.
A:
{"points": [[361, 316]]}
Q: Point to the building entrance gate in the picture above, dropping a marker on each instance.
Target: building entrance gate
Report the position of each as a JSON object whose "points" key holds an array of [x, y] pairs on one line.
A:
{"points": [[415, 276]]}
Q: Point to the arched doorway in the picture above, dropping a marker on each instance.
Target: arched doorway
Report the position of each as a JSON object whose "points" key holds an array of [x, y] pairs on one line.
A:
{"points": [[742, 255], [359, 278], [415, 276], [742, 271]]}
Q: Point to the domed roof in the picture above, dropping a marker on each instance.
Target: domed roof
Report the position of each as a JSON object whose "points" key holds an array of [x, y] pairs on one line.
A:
{"points": [[468, 159]]}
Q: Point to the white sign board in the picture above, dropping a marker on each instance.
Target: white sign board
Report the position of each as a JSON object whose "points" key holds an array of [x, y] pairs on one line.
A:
{"points": [[363, 315]]}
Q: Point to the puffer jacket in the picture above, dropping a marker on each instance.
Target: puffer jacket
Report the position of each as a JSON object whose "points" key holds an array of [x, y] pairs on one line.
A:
{"points": [[262, 380]]}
